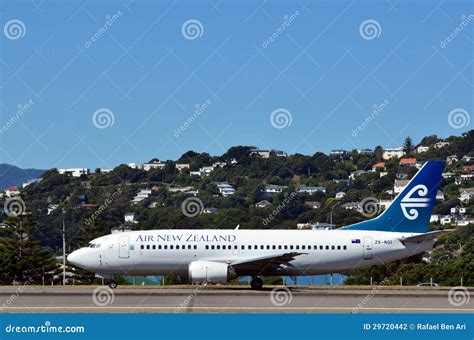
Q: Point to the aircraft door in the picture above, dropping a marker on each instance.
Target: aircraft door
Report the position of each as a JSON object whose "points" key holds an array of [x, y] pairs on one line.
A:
{"points": [[124, 249], [368, 248]]}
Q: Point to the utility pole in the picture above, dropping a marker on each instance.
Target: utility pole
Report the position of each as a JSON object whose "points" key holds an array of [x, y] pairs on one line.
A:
{"points": [[64, 251]]}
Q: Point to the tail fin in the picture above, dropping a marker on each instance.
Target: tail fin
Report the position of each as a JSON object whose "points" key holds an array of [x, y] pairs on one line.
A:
{"points": [[411, 209]]}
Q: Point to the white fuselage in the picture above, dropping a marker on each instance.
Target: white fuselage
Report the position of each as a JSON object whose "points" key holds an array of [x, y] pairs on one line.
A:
{"points": [[165, 252]]}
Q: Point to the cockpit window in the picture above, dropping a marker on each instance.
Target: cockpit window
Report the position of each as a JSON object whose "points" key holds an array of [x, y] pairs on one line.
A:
{"points": [[93, 245]]}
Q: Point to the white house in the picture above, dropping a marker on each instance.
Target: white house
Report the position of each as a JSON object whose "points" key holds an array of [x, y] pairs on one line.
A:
{"points": [[340, 195], [153, 165], [434, 219], [464, 222], [392, 153], [467, 158], [313, 204], [311, 190], [448, 219], [273, 189], [181, 166], [440, 196], [422, 148], [74, 172], [52, 207], [141, 195], [441, 144], [11, 191], [466, 194], [356, 173], [263, 204], [130, 218], [225, 189], [135, 165]]}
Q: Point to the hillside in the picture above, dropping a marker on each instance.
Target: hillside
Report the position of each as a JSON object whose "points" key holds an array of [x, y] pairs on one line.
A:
{"points": [[261, 189], [11, 175]]}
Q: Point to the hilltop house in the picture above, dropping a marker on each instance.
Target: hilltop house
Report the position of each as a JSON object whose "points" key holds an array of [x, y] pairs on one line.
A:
{"points": [[378, 166], [74, 172], [273, 189], [313, 204], [393, 152], [466, 194], [311, 190], [262, 204], [399, 185]]}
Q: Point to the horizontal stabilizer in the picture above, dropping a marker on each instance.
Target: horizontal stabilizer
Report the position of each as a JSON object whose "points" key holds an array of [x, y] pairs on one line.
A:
{"points": [[427, 236]]}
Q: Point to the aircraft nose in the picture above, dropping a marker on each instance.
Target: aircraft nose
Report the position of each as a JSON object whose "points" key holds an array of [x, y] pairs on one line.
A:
{"points": [[74, 258]]}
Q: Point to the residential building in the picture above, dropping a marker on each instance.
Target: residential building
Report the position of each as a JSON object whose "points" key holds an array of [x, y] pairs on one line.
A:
{"points": [[364, 151], [225, 189], [392, 153], [434, 219], [273, 189], [440, 196], [441, 144], [380, 166], [448, 219], [383, 204], [421, 149], [52, 207], [130, 218], [400, 184], [105, 170], [339, 153], [340, 195], [450, 160], [447, 175], [468, 168], [350, 206], [153, 165], [263, 204], [311, 190], [462, 222], [210, 210], [180, 189], [408, 162], [141, 195], [313, 204], [74, 172], [181, 166], [467, 158], [11, 191], [356, 173], [466, 194], [135, 165]]}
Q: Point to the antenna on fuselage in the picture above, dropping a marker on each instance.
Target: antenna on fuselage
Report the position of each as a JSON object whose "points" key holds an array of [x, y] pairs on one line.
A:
{"points": [[237, 228]]}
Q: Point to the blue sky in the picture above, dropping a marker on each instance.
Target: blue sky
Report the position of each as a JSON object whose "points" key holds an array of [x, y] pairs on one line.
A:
{"points": [[322, 71]]}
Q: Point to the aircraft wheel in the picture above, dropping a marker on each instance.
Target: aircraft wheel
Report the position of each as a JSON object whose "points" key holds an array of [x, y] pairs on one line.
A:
{"points": [[256, 283], [113, 284]]}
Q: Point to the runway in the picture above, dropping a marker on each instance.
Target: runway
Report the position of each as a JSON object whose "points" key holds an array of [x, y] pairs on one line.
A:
{"points": [[212, 300]]}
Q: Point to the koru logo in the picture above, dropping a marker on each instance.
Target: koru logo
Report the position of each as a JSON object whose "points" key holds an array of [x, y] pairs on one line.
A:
{"points": [[410, 204]]}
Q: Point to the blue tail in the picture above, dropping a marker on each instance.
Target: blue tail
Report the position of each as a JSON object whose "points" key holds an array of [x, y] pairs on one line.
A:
{"points": [[411, 210]]}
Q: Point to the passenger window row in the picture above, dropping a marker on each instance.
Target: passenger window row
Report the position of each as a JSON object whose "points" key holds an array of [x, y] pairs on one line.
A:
{"points": [[166, 247], [243, 247]]}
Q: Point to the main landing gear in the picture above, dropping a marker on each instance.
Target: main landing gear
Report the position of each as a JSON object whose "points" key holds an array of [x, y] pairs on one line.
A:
{"points": [[256, 283], [113, 284]]}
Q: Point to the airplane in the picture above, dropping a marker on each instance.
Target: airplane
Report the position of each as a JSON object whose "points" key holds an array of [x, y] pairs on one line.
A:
{"points": [[217, 256]]}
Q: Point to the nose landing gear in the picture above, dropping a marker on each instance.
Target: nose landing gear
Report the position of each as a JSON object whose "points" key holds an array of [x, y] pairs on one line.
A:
{"points": [[112, 284]]}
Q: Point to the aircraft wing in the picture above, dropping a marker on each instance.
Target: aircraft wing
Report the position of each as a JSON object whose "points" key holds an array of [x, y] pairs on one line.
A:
{"points": [[426, 236], [266, 264]]}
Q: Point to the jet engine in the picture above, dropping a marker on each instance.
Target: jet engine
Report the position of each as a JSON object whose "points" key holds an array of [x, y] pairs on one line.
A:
{"points": [[211, 272]]}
